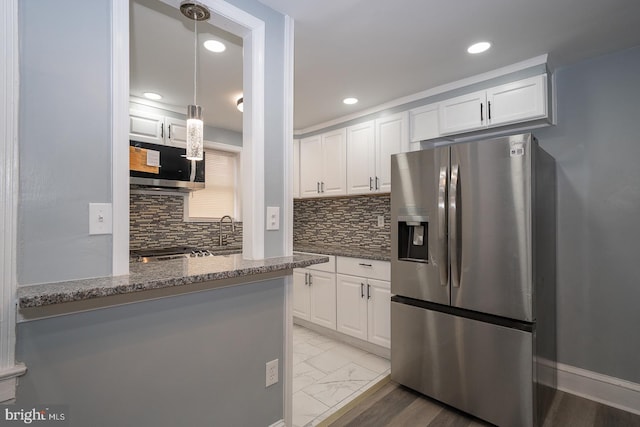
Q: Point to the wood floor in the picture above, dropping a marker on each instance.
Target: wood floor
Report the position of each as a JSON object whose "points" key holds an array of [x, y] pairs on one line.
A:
{"points": [[396, 406]]}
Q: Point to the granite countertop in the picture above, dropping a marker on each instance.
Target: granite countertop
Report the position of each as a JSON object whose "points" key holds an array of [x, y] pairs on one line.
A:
{"points": [[347, 251], [157, 275]]}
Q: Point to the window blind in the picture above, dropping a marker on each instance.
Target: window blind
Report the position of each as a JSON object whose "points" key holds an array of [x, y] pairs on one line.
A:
{"points": [[219, 197]]}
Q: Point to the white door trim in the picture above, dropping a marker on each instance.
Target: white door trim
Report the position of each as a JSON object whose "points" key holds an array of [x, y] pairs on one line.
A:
{"points": [[288, 215], [119, 135], [9, 98]]}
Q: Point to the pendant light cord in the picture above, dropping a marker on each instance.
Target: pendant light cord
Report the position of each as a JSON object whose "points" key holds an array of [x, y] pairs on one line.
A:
{"points": [[195, 56]]}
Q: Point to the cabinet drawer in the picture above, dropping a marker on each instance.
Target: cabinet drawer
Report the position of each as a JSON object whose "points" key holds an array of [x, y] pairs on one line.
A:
{"points": [[326, 266], [373, 269]]}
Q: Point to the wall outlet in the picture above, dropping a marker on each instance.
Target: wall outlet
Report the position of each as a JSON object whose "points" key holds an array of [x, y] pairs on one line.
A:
{"points": [[380, 221], [272, 372], [273, 218]]}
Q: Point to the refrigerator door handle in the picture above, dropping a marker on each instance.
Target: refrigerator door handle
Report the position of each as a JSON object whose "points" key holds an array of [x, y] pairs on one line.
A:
{"points": [[442, 226], [453, 224]]}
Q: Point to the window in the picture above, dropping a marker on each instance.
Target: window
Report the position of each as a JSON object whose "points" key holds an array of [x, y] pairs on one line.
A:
{"points": [[221, 195]]}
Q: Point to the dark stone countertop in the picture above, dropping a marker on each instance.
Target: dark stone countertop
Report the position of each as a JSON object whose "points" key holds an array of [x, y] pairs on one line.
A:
{"points": [[160, 274], [347, 251]]}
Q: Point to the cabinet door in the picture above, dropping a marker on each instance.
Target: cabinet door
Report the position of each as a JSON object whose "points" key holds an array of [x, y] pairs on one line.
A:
{"points": [[334, 163], [323, 299], [379, 312], [391, 138], [176, 132], [310, 166], [301, 295], [146, 127], [352, 305], [423, 123], [296, 168], [518, 101], [361, 164], [463, 113]]}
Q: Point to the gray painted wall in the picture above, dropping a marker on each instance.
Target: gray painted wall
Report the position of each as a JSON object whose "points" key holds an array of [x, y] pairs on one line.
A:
{"points": [[190, 360], [596, 145], [116, 366], [64, 139], [275, 144]]}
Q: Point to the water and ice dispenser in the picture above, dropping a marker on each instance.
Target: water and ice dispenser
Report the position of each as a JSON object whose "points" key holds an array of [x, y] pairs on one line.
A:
{"points": [[413, 238]]}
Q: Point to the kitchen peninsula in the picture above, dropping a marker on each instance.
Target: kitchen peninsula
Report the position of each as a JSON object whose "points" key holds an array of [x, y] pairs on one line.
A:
{"points": [[173, 276]]}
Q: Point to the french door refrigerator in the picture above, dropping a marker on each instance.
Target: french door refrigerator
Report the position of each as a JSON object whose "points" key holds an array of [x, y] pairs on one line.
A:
{"points": [[473, 277]]}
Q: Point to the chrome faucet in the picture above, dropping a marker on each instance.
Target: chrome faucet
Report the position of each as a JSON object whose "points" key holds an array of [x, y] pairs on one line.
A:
{"points": [[233, 226]]}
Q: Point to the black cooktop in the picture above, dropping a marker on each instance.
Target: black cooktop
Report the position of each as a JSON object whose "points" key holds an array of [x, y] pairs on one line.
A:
{"points": [[157, 252]]}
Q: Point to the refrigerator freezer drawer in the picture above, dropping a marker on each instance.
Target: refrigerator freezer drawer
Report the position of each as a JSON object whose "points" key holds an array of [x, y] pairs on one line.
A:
{"points": [[483, 369]]}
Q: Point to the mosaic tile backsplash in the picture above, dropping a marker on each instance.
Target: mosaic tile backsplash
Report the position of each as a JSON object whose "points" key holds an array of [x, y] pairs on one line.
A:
{"points": [[344, 221], [157, 221]]}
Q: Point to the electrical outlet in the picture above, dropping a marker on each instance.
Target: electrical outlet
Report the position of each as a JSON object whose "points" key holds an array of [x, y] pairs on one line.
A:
{"points": [[272, 372], [380, 221]]}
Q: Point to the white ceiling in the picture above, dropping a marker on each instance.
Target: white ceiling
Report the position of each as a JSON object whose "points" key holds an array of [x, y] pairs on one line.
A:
{"points": [[375, 50], [162, 58], [380, 50]]}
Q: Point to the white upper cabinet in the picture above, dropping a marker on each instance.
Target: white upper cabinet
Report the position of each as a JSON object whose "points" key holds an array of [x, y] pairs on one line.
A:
{"points": [[176, 132], [146, 127], [391, 138], [323, 165], [463, 113], [310, 166], [296, 168], [424, 123], [361, 161], [157, 129], [369, 149], [333, 181], [515, 102]]}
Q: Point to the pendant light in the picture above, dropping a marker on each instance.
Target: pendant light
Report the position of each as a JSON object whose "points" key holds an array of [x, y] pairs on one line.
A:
{"points": [[196, 12]]}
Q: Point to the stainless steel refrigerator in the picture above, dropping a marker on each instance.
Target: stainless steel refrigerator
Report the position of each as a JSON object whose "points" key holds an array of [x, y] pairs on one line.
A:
{"points": [[473, 277]]}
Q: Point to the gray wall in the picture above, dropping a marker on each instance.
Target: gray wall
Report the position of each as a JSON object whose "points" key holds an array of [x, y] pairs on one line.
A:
{"points": [[190, 360], [275, 144], [596, 145], [64, 139], [220, 342]]}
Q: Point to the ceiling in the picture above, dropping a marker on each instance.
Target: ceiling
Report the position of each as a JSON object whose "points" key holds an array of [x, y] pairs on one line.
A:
{"points": [[162, 58], [375, 50], [381, 50]]}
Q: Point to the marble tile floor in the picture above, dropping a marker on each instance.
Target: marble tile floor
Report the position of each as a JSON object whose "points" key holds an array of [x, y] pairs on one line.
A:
{"points": [[328, 374]]}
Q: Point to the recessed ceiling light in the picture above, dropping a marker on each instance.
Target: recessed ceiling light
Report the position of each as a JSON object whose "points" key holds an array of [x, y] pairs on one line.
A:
{"points": [[350, 101], [479, 47], [151, 95], [215, 46]]}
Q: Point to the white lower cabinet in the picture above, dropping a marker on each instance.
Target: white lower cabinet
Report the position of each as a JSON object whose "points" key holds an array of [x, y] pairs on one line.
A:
{"points": [[363, 303], [314, 294]]}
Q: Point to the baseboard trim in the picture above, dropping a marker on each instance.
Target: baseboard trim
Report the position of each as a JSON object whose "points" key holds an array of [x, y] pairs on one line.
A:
{"points": [[601, 388], [279, 423], [8, 381]]}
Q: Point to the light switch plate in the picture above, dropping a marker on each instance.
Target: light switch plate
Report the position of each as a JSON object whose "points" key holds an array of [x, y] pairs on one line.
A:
{"points": [[273, 218], [100, 218]]}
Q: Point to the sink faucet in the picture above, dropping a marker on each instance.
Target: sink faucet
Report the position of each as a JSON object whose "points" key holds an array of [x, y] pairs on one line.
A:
{"points": [[233, 226]]}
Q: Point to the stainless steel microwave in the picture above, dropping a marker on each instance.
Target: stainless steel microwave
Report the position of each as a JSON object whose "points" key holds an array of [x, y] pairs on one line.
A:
{"points": [[163, 166]]}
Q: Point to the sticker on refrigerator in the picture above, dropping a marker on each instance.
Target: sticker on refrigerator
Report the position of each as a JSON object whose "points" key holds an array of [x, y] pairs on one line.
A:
{"points": [[517, 149]]}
